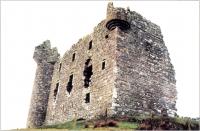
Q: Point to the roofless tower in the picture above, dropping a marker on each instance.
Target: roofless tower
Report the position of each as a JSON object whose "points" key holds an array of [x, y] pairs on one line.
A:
{"points": [[121, 69]]}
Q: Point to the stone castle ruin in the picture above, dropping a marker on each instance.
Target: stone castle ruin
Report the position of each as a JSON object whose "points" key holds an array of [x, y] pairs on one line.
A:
{"points": [[121, 69]]}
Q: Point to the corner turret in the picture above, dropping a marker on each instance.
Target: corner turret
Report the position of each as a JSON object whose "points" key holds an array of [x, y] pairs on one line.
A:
{"points": [[45, 58], [44, 54]]}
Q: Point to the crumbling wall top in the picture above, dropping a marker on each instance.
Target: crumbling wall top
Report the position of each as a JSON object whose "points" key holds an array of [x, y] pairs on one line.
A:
{"points": [[124, 18], [43, 53], [116, 13]]}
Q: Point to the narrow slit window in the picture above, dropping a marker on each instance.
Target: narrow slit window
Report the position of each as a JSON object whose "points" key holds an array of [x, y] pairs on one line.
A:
{"points": [[103, 65], [60, 67], [69, 84], [90, 45], [87, 98], [148, 46], [56, 91], [73, 57]]}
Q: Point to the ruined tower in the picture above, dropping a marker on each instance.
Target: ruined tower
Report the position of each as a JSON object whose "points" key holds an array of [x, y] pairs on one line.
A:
{"points": [[45, 58], [121, 69]]}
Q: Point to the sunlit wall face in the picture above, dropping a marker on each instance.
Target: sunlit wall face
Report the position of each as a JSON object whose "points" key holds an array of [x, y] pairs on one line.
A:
{"points": [[27, 24]]}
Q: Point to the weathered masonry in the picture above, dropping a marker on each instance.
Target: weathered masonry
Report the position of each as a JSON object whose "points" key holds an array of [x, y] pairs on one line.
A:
{"points": [[122, 68]]}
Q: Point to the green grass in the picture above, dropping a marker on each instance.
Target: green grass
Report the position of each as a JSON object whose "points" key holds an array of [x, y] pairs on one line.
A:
{"points": [[78, 125], [127, 125], [68, 125], [179, 122]]}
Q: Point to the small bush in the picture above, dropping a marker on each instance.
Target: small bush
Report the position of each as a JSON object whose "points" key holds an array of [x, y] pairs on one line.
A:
{"points": [[105, 123], [86, 126], [112, 123], [99, 124]]}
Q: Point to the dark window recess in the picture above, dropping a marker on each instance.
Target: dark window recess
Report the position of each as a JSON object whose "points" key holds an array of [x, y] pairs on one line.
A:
{"points": [[80, 119], [69, 84], [87, 73], [103, 65], [87, 98], [148, 46], [73, 57], [60, 67], [56, 91], [106, 36], [90, 45]]}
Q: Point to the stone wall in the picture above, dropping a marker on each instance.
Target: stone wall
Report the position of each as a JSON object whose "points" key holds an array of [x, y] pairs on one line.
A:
{"points": [[145, 81], [72, 106]]}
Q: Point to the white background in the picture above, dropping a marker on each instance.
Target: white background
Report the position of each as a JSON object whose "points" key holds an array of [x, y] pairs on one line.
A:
{"points": [[27, 24]]}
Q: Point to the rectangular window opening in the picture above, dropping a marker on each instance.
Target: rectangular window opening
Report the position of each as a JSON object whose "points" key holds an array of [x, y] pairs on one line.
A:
{"points": [[69, 84], [73, 57], [87, 73], [87, 98], [90, 45], [56, 91], [60, 67], [103, 65]]}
